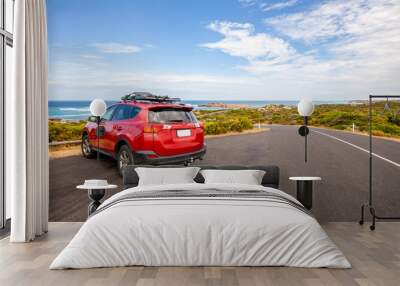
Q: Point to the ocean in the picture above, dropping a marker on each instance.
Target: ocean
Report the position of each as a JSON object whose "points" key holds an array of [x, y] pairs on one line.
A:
{"points": [[77, 110]]}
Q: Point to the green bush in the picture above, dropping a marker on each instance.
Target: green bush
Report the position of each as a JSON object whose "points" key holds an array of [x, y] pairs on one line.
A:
{"points": [[394, 119], [221, 126], [214, 128], [338, 116], [65, 131]]}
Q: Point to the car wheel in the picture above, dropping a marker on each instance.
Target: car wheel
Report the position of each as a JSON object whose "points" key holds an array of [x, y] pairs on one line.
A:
{"points": [[124, 158], [86, 148]]}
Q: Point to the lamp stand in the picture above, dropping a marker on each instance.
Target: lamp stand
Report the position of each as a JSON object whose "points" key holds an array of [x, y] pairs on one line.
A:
{"points": [[305, 139], [98, 119], [303, 131]]}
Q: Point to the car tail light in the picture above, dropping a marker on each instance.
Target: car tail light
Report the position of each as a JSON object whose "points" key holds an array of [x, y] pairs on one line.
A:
{"points": [[148, 129], [199, 125], [151, 128], [154, 128]]}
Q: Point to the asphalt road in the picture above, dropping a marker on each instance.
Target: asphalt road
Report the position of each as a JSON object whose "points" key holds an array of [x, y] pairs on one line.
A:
{"points": [[342, 166]]}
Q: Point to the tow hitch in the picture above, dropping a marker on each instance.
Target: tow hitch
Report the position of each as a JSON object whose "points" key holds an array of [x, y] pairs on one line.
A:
{"points": [[189, 162]]}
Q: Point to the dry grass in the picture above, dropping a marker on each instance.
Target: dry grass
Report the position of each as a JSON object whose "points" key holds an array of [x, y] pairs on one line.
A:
{"points": [[65, 151]]}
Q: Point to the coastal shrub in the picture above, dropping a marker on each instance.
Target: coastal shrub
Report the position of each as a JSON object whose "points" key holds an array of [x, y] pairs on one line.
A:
{"points": [[214, 128], [378, 133], [389, 129], [224, 126], [235, 126], [340, 127], [245, 123], [65, 131], [394, 119], [338, 116]]}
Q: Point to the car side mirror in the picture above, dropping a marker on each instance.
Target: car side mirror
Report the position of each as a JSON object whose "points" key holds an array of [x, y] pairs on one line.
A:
{"points": [[92, 119]]}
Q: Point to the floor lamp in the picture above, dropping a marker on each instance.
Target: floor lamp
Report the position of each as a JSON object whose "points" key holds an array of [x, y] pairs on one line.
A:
{"points": [[305, 109], [97, 108]]}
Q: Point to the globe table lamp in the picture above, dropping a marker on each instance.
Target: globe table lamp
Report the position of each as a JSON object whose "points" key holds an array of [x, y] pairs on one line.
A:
{"points": [[305, 109], [97, 108]]}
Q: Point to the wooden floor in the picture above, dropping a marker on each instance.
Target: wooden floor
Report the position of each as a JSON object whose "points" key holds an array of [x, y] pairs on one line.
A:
{"points": [[375, 257]]}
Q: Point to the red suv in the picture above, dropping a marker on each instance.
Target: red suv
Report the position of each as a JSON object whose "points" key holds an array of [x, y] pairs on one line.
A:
{"points": [[146, 129]]}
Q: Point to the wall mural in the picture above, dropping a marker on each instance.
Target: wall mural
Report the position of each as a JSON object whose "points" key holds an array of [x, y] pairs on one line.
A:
{"points": [[205, 83]]}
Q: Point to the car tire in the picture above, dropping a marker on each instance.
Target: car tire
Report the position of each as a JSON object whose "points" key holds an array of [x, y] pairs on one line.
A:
{"points": [[86, 148], [124, 158]]}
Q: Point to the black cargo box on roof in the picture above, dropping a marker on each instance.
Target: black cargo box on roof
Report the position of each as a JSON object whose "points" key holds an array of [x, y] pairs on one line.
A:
{"points": [[146, 96]]}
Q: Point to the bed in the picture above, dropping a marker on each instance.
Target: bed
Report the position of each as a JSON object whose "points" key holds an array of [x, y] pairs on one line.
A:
{"points": [[201, 224]]}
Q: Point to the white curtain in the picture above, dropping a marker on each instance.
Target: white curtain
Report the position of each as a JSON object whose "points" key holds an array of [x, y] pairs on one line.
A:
{"points": [[27, 151]]}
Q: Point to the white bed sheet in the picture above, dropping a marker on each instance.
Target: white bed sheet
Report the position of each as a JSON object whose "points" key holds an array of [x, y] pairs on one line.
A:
{"points": [[200, 232]]}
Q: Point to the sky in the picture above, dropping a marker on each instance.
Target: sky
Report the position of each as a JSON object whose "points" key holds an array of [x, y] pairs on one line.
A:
{"points": [[224, 50]]}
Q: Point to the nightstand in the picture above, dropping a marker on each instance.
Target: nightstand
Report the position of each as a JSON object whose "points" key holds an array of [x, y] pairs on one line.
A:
{"points": [[96, 190], [305, 190]]}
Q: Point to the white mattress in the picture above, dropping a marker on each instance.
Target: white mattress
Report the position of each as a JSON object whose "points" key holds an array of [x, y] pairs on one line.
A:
{"points": [[202, 232]]}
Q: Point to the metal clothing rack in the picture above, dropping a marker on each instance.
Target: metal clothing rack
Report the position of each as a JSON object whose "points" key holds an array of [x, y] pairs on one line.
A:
{"points": [[369, 204]]}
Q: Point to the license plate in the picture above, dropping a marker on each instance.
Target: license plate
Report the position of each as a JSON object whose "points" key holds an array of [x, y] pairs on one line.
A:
{"points": [[183, 132]]}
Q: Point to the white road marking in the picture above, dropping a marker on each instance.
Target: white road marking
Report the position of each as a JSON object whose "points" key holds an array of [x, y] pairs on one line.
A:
{"points": [[357, 147]]}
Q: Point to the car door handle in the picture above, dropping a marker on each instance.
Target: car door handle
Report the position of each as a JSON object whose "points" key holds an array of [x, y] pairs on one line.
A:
{"points": [[118, 128]]}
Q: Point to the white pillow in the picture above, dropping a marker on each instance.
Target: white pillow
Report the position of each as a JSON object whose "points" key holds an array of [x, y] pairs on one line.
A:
{"points": [[248, 177], [166, 176]]}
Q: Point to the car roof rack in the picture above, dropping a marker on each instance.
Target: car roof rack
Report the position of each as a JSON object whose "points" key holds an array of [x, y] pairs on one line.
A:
{"points": [[148, 97]]}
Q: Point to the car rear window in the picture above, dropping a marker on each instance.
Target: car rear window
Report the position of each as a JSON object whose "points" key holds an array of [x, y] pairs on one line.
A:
{"points": [[171, 115]]}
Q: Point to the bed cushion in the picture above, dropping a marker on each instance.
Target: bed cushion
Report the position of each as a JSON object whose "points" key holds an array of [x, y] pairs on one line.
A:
{"points": [[166, 176], [248, 177], [270, 179]]}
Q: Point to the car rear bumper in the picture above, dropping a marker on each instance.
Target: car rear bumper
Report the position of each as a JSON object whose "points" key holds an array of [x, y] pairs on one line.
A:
{"points": [[147, 157]]}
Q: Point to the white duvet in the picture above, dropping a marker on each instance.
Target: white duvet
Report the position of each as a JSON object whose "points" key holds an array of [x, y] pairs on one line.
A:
{"points": [[199, 231]]}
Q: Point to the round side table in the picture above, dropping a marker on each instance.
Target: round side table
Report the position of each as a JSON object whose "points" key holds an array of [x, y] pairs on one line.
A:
{"points": [[305, 190], [95, 194]]}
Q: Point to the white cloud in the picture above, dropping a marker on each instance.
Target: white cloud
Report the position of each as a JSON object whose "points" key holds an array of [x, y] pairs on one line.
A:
{"points": [[247, 3], [150, 46], [353, 49], [67, 74], [276, 6], [90, 57], [240, 40], [358, 37], [338, 19], [116, 48], [83, 79]]}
